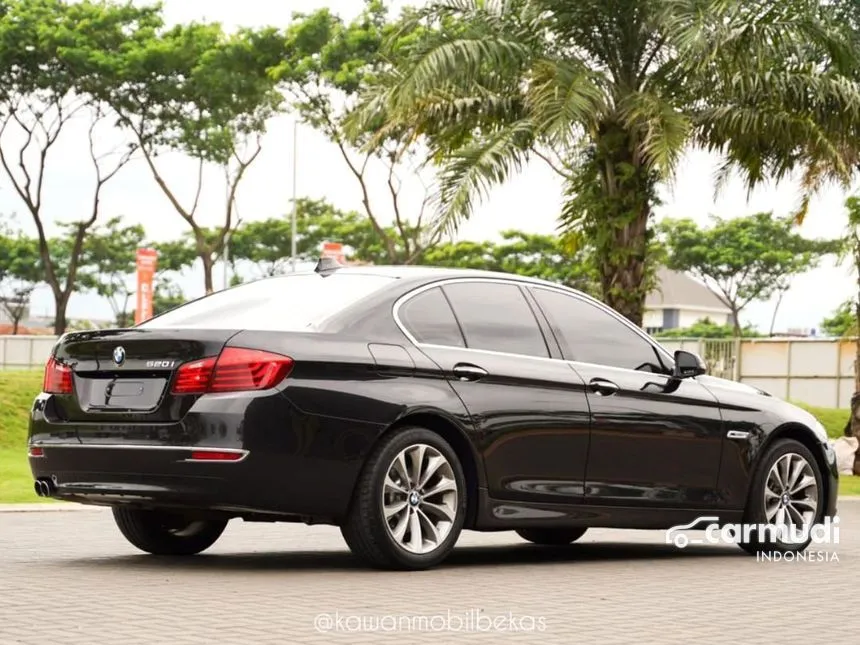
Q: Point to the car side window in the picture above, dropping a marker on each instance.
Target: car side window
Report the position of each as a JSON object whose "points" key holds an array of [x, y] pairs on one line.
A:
{"points": [[429, 318], [496, 316], [588, 334]]}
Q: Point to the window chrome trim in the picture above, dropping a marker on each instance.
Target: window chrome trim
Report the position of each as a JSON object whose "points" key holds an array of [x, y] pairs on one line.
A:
{"points": [[492, 352], [519, 283]]}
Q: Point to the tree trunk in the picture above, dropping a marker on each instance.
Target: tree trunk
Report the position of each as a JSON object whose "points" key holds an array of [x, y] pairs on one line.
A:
{"points": [[775, 311], [623, 278], [208, 266], [854, 420], [617, 221], [61, 302], [736, 322], [16, 321]]}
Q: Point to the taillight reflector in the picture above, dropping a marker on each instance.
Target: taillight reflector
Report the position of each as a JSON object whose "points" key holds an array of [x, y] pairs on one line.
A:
{"points": [[58, 377], [194, 377], [236, 369], [216, 455], [36, 451]]}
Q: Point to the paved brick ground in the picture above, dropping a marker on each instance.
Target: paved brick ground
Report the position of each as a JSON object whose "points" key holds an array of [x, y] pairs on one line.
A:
{"points": [[68, 577]]}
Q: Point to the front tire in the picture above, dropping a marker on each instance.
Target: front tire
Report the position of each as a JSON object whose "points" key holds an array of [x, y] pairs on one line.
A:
{"points": [[551, 536], [409, 504], [165, 533], [787, 491]]}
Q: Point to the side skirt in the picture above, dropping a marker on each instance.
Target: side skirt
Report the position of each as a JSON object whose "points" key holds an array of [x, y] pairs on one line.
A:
{"points": [[504, 515]]}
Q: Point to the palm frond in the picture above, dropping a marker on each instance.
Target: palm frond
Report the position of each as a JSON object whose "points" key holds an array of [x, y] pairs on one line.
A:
{"points": [[663, 128], [562, 94], [471, 171]]}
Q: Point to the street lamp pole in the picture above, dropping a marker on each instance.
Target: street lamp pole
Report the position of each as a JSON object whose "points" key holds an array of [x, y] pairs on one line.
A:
{"points": [[226, 255], [293, 216]]}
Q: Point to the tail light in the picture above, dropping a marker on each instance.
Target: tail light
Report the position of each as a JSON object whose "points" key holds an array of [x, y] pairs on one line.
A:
{"points": [[58, 377], [235, 370], [194, 377]]}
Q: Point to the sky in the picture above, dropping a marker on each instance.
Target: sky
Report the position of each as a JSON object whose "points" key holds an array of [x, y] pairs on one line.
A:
{"points": [[530, 201]]}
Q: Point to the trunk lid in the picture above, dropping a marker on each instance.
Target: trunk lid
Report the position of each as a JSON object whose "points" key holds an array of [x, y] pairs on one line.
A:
{"points": [[125, 374]]}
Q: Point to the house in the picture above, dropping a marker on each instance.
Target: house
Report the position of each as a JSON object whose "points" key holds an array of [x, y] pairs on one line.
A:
{"points": [[680, 301]]}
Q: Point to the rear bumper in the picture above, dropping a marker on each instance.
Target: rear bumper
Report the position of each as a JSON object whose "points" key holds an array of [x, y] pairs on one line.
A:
{"points": [[166, 476], [294, 465]]}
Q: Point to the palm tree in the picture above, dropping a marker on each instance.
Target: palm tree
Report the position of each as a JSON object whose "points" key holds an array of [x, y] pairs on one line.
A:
{"points": [[610, 93]]}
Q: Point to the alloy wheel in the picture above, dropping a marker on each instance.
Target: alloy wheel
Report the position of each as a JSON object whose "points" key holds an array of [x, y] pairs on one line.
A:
{"points": [[791, 492], [419, 499]]}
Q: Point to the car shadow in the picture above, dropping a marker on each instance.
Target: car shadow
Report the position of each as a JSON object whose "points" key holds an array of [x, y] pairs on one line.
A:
{"points": [[462, 557]]}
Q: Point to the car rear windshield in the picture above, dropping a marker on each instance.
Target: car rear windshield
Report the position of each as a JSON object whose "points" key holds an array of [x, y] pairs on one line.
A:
{"points": [[286, 303]]}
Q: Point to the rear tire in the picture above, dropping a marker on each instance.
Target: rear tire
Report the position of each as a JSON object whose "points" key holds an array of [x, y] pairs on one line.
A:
{"points": [[787, 472], [551, 536], [409, 504], [165, 533]]}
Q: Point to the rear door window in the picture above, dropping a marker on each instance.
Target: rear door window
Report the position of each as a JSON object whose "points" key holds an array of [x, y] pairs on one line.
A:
{"points": [[496, 316], [429, 319]]}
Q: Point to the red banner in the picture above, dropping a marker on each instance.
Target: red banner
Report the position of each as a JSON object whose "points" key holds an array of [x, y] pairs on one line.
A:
{"points": [[333, 250], [147, 260]]}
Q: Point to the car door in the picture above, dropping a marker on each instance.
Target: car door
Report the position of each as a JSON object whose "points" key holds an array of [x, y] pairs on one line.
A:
{"points": [[655, 440], [529, 410]]}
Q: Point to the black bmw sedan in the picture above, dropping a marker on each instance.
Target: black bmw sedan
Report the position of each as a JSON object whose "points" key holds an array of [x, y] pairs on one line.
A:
{"points": [[404, 405]]}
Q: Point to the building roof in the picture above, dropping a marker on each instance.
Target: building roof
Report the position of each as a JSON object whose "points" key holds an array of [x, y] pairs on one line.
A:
{"points": [[677, 290]]}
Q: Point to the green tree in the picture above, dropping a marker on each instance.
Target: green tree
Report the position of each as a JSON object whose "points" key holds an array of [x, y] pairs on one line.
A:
{"points": [[610, 93], [51, 53], [707, 328], [266, 244], [850, 252], [108, 265], [328, 62], [743, 259], [20, 274], [174, 257], [842, 322], [529, 254], [200, 91], [167, 295]]}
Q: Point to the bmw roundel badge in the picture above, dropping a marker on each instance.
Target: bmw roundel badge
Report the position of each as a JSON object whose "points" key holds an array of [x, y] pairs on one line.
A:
{"points": [[118, 355]]}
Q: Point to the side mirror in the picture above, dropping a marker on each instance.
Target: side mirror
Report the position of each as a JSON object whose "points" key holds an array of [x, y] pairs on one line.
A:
{"points": [[688, 364]]}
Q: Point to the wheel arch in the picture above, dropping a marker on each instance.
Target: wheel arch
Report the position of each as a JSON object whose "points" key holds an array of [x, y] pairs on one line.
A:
{"points": [[456, 436], [803, 435]]}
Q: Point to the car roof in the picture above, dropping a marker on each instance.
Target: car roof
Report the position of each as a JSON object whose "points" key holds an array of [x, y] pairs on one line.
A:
{"points": [[432, 272]]}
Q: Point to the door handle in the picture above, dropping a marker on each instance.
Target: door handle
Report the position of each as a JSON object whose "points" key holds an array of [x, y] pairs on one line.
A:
{"points": [[468, 372], [602, 387]]}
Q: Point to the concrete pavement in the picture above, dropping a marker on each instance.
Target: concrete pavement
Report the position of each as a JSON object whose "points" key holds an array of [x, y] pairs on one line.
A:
{"points": [[69, 577]]}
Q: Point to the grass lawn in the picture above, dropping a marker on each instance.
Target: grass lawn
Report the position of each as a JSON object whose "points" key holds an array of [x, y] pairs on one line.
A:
{"points": [[17, 390], [849, 485], [833, 419]]}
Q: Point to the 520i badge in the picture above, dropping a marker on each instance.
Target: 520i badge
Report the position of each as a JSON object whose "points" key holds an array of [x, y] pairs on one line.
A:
{"points": [[160, 363]]}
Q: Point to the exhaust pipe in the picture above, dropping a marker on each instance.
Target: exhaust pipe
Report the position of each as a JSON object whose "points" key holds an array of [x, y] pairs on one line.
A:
{"points": [[44, 488]]}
